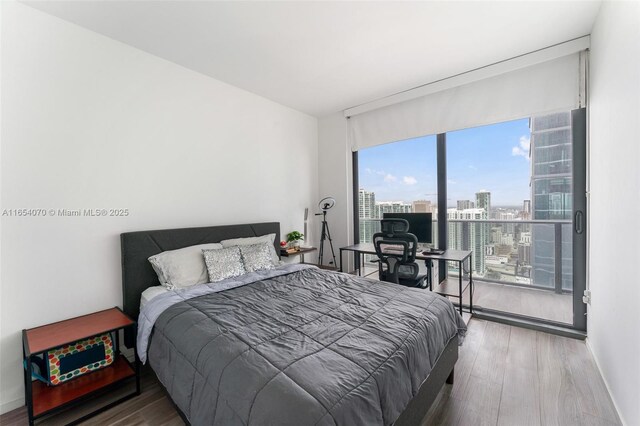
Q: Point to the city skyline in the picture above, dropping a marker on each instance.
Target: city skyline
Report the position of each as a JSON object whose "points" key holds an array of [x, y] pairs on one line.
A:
{"points": [[500, 250], [494, 158], [524, 206]]}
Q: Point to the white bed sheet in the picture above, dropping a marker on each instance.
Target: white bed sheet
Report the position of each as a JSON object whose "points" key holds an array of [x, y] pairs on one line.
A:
{"points": [[150, 293]]}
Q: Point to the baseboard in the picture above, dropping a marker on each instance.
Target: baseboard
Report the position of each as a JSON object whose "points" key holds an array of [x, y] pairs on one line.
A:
{"points": [[530, 324], [606, 384], [5, 407]]}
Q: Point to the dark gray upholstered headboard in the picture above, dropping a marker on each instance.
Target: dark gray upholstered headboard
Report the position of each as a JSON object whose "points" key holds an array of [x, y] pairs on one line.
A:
{"points": [[137, 247]]}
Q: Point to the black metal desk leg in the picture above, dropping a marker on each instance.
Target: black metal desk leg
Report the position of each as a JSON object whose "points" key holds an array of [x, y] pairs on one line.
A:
{"points": [[460, 273], [470, 285], [341, 260]]}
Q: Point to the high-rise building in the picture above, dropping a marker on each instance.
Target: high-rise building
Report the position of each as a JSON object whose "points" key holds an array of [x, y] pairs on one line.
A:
{"points": [[524, 253], [526, 210], [369, 225], [366, 203], [524, 248], [476, 237], [483, 201], [506, 215], [495, 235], [391, 207], [509, 216], [422, 206], [465, 204], [551, 195], [507, 240]]}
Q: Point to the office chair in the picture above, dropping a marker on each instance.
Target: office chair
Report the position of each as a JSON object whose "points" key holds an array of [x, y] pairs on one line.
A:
{"points": [[396, 249]]}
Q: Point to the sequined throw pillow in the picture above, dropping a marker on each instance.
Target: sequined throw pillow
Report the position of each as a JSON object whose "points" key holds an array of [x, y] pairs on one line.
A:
{"points": [[223, 263], [257, 256]]}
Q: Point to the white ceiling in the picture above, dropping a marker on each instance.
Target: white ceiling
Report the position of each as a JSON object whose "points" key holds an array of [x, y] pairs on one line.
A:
{"points": [[323, 57]]}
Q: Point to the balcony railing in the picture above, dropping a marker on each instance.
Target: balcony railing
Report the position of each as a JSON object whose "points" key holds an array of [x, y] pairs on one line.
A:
{"points": [[525, 253], [529, 253]]}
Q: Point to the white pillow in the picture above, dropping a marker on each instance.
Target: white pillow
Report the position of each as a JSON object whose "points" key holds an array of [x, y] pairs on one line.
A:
{"points": [[249, 241], [224, 263], [182, 267]]}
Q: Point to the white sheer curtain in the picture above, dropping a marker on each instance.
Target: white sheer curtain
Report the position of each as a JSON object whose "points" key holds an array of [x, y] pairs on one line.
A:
{"points": [[553, 85]]}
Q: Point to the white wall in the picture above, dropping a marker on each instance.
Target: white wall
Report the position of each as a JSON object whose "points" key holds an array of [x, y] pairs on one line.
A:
{"points": [[89, 122], [334, 169], [614, 324]]}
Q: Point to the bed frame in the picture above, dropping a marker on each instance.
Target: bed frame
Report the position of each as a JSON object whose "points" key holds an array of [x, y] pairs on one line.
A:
{"points": [[138, 275]]}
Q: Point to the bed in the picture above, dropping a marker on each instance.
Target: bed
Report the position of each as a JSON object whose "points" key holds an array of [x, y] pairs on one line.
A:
{"points": [[294, 345]]}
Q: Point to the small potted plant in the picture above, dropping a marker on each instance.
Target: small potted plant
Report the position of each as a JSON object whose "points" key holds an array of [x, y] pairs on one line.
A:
{"points": [[294, 238]]}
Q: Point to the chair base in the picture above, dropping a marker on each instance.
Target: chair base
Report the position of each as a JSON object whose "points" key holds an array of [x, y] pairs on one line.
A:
{"points": [[420, 281]]}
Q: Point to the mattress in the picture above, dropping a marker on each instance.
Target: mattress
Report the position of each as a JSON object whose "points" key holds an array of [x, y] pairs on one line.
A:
{"points": [[302, 346]]}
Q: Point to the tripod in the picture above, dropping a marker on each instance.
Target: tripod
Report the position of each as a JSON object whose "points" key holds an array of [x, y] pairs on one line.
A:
{"points": [[326, 234]]}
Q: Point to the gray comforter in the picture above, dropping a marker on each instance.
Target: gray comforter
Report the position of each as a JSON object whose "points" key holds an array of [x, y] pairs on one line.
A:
{"points": [[310, 347]]}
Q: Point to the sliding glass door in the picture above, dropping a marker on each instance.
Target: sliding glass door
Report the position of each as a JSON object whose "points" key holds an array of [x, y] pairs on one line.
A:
{"points": [[513, 188], [579, 218], [513, 193]]}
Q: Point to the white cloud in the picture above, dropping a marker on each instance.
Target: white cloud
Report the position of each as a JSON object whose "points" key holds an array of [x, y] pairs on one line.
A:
{"points": [[516, 150], [375, 171], [390, 178], [522, 149], [451, 182], [409, 180]]}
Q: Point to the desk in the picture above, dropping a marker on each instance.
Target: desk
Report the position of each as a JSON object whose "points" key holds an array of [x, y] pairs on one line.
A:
{"points": [[447, 287]]}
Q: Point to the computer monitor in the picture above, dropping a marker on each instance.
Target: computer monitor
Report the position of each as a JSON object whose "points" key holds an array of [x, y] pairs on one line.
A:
{"points": [[419, 224]]}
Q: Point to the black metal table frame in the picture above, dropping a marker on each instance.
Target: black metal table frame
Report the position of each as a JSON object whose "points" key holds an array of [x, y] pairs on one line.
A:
{"points": [[428, 259], [28, 377]]}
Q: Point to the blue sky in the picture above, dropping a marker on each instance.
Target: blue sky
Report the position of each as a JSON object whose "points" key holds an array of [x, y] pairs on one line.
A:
{"points": [[492, 157]]}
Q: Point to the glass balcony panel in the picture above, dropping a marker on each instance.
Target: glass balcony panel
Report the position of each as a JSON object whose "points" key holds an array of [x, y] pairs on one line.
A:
{"points": [[514, 265]]}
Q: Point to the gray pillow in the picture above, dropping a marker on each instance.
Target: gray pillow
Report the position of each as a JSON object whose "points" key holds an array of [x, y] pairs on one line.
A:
{"points": [[257, 256], [223, 263], [269, 238], [182, 267]]}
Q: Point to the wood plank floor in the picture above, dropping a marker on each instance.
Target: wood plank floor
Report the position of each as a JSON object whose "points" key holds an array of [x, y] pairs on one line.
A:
{"points": [[505, 376], [513, 376]]}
